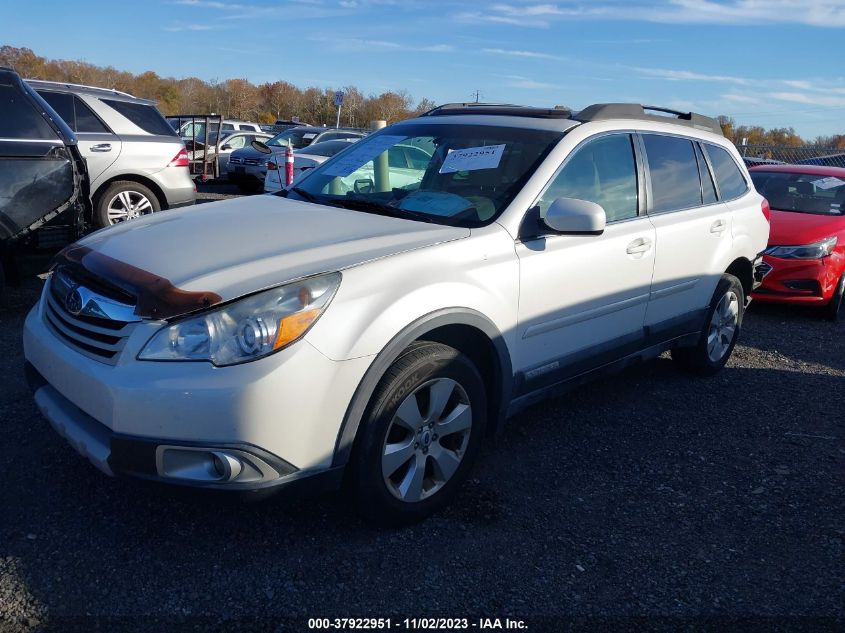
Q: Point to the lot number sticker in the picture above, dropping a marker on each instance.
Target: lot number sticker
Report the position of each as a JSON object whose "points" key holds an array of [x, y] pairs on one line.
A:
{"points": [[830, 182], [473, 158]]}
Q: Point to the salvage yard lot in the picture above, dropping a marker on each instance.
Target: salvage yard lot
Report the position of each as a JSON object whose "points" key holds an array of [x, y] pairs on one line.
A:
{"points": [[646, 493]]}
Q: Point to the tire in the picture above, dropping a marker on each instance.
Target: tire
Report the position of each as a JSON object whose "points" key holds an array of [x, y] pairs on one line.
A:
{"points": [[835, 310], [720, 332], [2, 277], [402, 421], [248, 187], [111, 203]]}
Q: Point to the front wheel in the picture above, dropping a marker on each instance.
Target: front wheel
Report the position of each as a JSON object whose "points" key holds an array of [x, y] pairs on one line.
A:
{"points": [[720, 333], [835, 310], [420, 435]]}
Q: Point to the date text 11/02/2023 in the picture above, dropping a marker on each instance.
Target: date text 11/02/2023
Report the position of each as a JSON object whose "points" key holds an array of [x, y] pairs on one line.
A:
{"points": [[427, 624]]}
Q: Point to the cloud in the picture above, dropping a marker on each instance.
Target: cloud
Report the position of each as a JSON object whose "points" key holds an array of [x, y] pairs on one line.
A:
{"points": [[188, 27], [369, 46], [810, 99], [688, 75], [517, 53], [818, 13], [517, 81]]}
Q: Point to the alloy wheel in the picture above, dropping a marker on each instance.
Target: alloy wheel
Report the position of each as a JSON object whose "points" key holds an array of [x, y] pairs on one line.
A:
{"points": [[426, 440], [723, 326], [128, 205]]}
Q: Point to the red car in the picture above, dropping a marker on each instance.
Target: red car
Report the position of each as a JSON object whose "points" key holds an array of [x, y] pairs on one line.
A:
{"points": [[806, 253]]}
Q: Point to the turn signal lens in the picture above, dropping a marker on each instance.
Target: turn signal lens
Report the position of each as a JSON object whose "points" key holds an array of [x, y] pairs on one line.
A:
{"points": [[292, 327], [766, 209]]}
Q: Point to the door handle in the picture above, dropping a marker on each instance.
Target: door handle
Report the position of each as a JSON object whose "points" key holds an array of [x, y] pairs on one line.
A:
{"points": [[101, 147], [718, 227], [639, 246]]}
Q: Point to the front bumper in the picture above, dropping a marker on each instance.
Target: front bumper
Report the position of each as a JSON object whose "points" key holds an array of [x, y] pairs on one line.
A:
{"points": [[247, 174], [799, 281], [279, 416]]}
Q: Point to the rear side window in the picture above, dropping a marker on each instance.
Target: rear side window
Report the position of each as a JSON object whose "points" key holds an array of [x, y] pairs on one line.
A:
{"points": [[145, 117], [228, 127], [86, 120], [601, 171], [728, 176], [75, 112], [675, 184], [19, 119]]}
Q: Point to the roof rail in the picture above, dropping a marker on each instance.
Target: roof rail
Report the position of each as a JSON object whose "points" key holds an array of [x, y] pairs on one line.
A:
{"points": [[501, 109], [605, 111], [83, 86]]}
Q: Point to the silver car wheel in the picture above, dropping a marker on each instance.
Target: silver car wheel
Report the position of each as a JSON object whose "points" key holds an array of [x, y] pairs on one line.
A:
{"points": [[422, 450], [128, 205], [723, 326]]}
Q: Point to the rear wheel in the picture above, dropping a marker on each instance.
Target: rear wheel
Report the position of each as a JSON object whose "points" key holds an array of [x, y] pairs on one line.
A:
{"points": [[420, 435], [125, 200], [720, 333], [835, 310]]}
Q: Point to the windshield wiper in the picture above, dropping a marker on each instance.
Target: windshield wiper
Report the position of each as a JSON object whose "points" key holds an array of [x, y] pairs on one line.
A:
{"points": [[382, 208], [310, 197]]}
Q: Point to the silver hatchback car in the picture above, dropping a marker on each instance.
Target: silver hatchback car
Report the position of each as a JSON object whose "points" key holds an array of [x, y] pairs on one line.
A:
{"points": [[136, 161]]}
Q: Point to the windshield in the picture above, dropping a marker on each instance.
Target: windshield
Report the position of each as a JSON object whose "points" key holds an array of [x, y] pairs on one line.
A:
{"points": [[463, 175], [326, 148], [802, 193], [298, 138]]}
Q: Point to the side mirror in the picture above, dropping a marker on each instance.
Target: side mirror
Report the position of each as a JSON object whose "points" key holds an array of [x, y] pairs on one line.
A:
{"points": [[261, 147], [572, 216], [225, 147]]}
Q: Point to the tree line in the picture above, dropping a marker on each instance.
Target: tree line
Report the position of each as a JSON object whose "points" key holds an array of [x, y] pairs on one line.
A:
{"points": [[233, 98], [267, 102]]}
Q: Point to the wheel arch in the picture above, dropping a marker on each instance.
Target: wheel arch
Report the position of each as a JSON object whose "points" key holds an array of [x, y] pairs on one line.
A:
{"points": [[466, 330], [141, 180], [742, 269]]}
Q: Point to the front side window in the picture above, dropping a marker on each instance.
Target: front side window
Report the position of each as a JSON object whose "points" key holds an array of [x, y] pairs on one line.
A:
{"points": [[19, 119], [471, 173], [802, 193], [602, 171], [144, 116], [728, 176], [673, 170], [62, 103], [235, 142]]}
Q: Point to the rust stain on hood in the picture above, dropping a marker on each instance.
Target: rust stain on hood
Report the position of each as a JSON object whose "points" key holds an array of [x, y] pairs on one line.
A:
{"points": [[155, 297]]}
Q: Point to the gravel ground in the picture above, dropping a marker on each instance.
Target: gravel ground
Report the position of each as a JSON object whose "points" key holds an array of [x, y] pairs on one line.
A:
{"points": [[646, 494]]}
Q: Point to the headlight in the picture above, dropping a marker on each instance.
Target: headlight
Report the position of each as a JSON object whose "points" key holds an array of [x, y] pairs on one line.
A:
{"points": [[248, 328], [816, 250]]}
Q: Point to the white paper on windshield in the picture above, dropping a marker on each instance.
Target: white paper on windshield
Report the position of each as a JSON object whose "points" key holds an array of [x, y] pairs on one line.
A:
{"points": [[309, 135], [362, 153], [831, 182], [473, 158], [434, 203]]}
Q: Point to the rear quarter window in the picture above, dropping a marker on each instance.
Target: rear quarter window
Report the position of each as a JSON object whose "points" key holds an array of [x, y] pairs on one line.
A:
{"points": [[144, 116], [728, 176]]}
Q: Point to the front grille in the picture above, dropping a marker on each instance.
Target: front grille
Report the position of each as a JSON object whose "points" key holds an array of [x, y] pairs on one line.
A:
{"points": [[254, 162], [99, 338], [236, 160]]}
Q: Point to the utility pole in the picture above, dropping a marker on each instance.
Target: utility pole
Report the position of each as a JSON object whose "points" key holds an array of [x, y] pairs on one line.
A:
{"points": [[477, 95]]}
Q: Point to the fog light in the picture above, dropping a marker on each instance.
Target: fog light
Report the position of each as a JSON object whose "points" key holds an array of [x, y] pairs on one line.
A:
{"points": [[226, 466]]}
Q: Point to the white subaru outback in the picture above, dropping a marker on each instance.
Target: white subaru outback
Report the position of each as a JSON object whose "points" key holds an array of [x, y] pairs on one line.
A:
{"points": [[361, 331]]}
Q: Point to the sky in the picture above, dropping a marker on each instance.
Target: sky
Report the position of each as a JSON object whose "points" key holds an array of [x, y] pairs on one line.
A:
{"points": [[776, 63]]}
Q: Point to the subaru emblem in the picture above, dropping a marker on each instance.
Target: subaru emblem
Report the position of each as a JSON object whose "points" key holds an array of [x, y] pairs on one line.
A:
{"points": [[73, 301]]}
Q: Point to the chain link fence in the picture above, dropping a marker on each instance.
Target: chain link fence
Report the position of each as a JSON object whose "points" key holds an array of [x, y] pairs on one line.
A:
{"points": [[768, 154]]}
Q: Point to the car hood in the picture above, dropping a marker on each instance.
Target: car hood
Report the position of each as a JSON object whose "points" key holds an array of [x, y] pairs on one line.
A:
{"points": [[789, 228], [234, 247]]}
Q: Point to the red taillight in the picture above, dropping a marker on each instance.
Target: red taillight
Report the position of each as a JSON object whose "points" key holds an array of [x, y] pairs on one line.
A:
{"points": [[271, 166], [766, 209], [181, 159]]}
